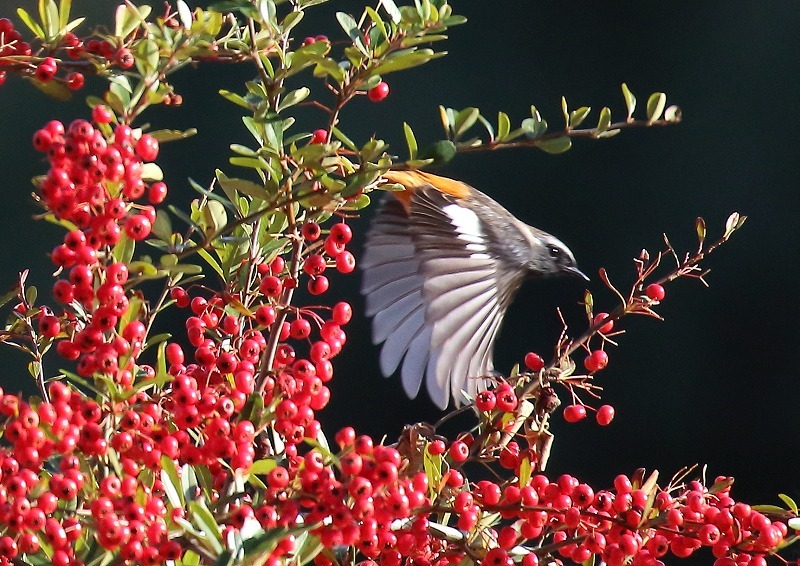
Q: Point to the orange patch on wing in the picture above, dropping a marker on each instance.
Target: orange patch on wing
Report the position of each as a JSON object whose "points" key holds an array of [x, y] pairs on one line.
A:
{"points": [[414, 179]]}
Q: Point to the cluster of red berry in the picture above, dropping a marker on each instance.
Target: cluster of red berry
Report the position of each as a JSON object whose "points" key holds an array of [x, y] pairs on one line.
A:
{"points": [[45, 69]]}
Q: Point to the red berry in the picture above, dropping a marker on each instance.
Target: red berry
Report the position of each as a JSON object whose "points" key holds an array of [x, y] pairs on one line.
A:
{"points": [[138, 227], [655, 292], [533, 361], [147, 147], [574, 413], [605, 415], [101, 114], [311, 231], [271, 286], [378, 92], [459, 451], [314, 265], [75, 81], [124, 58], [485, 401], [319, 136], [596, 361], [341, 233], [345, 262], [318, 285], [45, 72], [157, 192], [342, 313], [607, 327]]}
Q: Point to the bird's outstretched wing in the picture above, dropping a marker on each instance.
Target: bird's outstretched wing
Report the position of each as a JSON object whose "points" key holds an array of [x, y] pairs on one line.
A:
{"points": [[436, 291]]}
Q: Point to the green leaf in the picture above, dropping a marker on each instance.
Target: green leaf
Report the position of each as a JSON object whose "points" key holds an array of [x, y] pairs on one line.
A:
{"points": [[152, 172], [700, 228], [171, 481], [294, 97], [8, 295], [391, 9], [147, 56], [769, 509], [630, 100], [54, 89], [525, 470], [35, 28], [235, 98], [30, 295], [503, 125], [204, 520], [211, 261], [128, 17], [790, 504], [163, 136], [240, 185], [123, 250], [48, 11], [162, 227], [339, 135], [488, 126], [350, 27], [655, 106], [263, 466], [605, 119], [465, 119], [432, 464], [161, 362], [411, 140], [185, 14], [576, 117], [64, 7], [555, 145], [400, 61]]}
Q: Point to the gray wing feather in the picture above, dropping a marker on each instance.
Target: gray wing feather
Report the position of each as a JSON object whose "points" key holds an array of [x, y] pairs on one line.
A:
{"points": [[414, 364], [382, 297]]}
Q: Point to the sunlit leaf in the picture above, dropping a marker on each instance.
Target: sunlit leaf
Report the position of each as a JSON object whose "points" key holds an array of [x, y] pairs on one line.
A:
{"points": [[350, 27], [630, 100], [655, 106], [35, 28], [555, 145]]}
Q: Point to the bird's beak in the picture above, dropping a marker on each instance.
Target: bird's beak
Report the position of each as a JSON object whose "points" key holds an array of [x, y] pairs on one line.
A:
{"points": [[577, 273]]}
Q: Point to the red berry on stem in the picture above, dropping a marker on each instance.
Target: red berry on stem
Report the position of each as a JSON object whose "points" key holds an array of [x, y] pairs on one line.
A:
{"points": [[655, 292], [378, 92], [596, 361], [318, 285], [101, 114], [605, 415], [319, 136], [605, 328], [157, 192], [147, 147], [534, 361], [574, 413], [459, 451], [75, 81], [311, 231]]}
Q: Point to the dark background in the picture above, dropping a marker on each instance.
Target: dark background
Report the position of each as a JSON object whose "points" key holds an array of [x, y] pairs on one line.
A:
{"points": [[717, 382]]}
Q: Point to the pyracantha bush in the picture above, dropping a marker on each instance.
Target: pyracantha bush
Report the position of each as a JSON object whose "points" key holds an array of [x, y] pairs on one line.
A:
{"points": [[203, 445]]}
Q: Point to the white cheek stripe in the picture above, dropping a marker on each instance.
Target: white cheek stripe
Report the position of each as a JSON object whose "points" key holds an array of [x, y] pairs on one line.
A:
{"points": [[468, 226]]}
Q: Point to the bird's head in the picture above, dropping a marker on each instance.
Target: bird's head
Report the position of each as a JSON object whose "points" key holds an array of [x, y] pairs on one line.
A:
{"points": [[551, 257]]}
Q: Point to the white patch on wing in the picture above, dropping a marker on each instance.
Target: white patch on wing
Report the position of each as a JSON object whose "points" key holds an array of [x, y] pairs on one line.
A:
{"points": [[468, 226]]}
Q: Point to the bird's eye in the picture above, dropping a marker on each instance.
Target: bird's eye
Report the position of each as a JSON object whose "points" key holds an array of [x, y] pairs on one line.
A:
{"points": [[555, 253]]}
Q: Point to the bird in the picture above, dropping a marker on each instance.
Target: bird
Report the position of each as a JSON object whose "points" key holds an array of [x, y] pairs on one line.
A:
{"points": [[442, 264]]}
